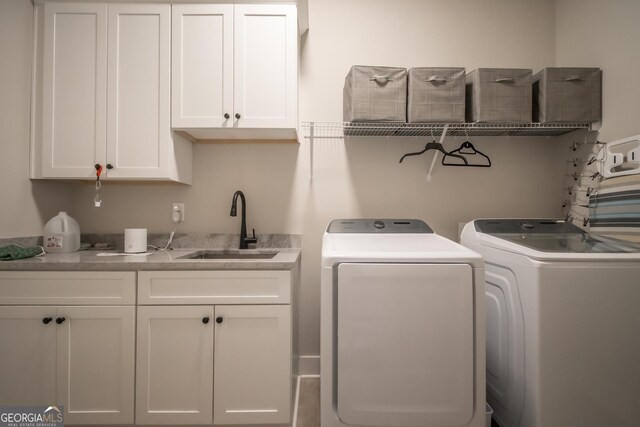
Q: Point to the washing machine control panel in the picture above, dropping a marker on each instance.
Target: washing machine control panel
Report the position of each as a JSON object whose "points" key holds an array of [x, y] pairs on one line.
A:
{"points": [[378, 226]]}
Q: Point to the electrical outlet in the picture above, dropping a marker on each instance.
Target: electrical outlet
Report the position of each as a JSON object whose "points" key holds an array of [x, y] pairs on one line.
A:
{"points": [[177, 212]]}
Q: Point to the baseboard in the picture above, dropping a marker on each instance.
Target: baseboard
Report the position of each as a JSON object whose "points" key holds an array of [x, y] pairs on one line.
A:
{"points": [[309, 365]]}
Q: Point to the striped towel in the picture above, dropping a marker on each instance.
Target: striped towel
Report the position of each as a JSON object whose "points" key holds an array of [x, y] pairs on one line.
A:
{"points": [[615, 209]]}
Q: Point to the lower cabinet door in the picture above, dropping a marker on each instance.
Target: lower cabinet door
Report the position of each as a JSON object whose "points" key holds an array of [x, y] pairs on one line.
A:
{"points": [[252, 379], [95, 358], [27, 356], [174, 372]]}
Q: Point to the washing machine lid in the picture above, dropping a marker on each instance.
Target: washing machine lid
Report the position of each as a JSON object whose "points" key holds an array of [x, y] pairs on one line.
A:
{"points": [[364, 240], [551, 239]]}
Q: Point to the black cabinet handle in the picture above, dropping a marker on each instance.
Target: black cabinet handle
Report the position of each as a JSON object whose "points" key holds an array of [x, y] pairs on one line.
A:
{"points": [[59, 320], [226, 115], [109, 166], [219, 319], [46, 320], [205, 320], [237, 115]]}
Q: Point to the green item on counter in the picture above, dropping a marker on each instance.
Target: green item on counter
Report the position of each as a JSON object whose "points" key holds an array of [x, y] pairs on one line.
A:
{"points": [[13, 252]]}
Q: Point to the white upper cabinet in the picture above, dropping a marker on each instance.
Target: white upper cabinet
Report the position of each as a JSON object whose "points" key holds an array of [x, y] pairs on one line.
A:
{"points": [[202, 84], [138, 92], [106, 94], [235, 71], [74, 93]]}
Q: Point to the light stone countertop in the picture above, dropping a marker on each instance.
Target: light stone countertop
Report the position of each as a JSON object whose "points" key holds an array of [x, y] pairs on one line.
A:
{"points": [[285, 259], [287, 247]]}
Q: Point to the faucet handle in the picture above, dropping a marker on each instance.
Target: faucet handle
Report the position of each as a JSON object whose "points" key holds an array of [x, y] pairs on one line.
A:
{"points": [[252, 239]]}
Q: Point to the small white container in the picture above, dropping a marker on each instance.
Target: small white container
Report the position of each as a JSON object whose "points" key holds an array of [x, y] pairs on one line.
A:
{"points": [[135, 240], [61, 234]]}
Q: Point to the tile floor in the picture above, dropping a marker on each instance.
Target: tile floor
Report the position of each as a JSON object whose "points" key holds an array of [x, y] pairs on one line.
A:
{"points": [[309, 403]]}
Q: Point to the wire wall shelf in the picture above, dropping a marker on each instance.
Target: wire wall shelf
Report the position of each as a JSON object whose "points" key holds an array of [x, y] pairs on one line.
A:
{"points": [[356, 129], [313, 131]]}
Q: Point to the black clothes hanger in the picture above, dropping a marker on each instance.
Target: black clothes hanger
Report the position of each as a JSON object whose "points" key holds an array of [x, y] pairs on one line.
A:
{"points": [[435, 146], [467, 148]]}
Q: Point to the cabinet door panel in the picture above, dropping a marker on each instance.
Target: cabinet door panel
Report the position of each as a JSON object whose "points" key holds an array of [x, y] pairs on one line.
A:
{"points": [[253, 364], [265, 66], [95, 359], [28, 348], [138, 134], [175, 365], [202, 80], [74, 89]]}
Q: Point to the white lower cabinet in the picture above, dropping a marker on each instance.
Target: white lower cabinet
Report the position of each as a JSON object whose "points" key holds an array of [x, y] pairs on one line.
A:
{"points": [[215, 347], [28, 367], [174, 370], [220, 365], [78, 356], [252, 374], [226, 357]]}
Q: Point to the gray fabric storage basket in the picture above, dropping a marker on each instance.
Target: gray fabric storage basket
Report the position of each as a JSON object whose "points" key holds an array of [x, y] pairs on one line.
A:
{"points": [[567, 95], [436, 94], [499, 95], [375, 94]]}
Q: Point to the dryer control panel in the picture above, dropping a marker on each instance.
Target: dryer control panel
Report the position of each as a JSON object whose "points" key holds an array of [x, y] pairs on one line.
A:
{"points": [[378, 226]]}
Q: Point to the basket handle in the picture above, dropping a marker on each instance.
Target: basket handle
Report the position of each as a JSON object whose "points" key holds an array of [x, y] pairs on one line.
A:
{"points": [[505, 80], [438, 79], [573, 78], [380, 79]]}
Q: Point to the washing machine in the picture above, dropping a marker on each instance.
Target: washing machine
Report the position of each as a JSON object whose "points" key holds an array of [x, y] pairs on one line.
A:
{"points": [[402, 327], [563, 324]]}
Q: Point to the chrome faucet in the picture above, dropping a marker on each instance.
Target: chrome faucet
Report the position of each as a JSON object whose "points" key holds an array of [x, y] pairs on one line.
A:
{"points": [[244, 240]]}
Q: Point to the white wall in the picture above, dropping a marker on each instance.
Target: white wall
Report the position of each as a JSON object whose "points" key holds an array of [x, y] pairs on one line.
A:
{"points": [[362, 178], [25, 205], [594, 33]]}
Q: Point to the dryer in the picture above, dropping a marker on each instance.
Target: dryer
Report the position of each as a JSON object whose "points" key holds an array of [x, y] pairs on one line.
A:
{"points": [[402, 327], [563, 324]]}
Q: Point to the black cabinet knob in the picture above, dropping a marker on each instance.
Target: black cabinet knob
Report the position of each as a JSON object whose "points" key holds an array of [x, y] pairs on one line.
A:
{"points": [[46, 320], [205, 320], [109, 166], [237, 115], [226, 115], [59, 320], [219, 319], [97, 166]]}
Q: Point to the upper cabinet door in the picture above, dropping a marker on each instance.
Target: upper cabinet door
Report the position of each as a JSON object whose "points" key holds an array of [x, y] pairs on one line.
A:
{"points": [[265, 66], [74, 89], [202, 58], [138, 112]]}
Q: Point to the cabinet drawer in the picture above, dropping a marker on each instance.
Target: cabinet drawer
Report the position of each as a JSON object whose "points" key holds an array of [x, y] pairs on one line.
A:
{"points": [[214, 287], [67, 288]]}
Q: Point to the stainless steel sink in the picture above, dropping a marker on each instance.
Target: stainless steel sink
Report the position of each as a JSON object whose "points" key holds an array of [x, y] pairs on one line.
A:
{"points": [[226, 254]]}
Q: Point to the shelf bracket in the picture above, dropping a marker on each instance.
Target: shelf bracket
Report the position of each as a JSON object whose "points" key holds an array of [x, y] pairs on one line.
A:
{"points": [[435, 156]]}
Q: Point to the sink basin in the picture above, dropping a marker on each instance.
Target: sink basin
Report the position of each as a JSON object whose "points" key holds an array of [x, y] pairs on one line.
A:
{"points": [[229, 255]]}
